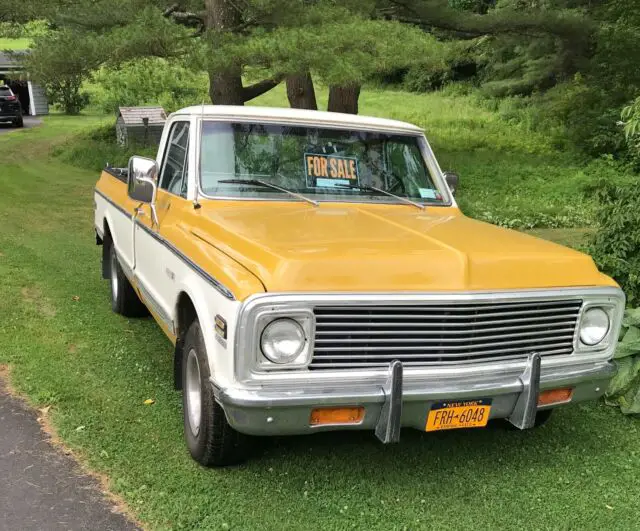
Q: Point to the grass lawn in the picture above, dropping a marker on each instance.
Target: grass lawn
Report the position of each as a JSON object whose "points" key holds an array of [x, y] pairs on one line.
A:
{"points": [[68, 350], [14, 44]]}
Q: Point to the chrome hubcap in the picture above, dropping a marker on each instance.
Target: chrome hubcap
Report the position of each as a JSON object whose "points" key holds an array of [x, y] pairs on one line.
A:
{"points": [[193, 391], [114, 274]]}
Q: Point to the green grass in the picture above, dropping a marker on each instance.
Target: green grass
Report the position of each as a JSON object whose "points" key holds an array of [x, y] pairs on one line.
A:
{"points": [[68, 350], [14, 44]]}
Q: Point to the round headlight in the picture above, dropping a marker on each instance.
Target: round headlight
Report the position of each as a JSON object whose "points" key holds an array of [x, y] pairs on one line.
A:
{"points": [[594, 326], [282, 340]]}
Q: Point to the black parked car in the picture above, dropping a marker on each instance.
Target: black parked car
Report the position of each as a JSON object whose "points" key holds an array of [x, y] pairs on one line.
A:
{"points": [[10, 108]]}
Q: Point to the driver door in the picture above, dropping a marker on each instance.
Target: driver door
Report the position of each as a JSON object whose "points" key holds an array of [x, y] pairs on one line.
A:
{"points": [[155, 262]]}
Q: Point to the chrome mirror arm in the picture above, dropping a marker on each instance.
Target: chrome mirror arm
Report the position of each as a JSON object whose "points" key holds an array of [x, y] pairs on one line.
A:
{"points": [[152, 204]]}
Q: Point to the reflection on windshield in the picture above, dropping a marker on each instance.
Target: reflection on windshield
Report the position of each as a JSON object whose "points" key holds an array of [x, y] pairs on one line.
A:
{"points": [[327, 164]]}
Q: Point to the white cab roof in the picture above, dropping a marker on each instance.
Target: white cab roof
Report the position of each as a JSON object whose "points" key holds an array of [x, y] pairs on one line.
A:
{"points": [[298, 116]]}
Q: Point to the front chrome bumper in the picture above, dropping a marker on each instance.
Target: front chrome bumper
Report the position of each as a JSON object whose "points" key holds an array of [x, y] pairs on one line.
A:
{"points": [[395, 403]]}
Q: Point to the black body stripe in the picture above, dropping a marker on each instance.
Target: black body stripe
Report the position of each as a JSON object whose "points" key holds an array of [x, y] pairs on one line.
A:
{"points": [[118, 207], [217, 285]]}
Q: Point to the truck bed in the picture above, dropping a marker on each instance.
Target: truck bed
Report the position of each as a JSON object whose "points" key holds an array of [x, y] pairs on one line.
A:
{"points": [[121, 174]]}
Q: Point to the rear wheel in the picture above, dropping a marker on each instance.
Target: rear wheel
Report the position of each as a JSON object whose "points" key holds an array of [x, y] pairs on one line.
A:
{"points": [[18, 122], [210, 438], [124, 300]]}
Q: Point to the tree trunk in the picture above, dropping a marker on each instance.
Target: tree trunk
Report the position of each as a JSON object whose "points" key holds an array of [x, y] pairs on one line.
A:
{"points": [[225, 88], [344, 98], [301, 93]]}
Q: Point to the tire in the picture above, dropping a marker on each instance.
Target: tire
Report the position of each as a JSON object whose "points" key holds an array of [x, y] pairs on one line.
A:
{"points": [[18, 122], [124, 300], [211, 440], [542, 417]]}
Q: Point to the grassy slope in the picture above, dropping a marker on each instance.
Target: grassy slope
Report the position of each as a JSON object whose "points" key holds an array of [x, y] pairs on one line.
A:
{"points": [[96, 369]]}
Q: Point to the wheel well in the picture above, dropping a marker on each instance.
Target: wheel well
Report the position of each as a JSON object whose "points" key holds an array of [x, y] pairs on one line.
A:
{"points": [[106, 249], [186, 314]]}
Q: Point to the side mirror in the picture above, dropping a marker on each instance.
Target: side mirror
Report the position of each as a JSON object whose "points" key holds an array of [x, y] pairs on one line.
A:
{"points": [[452, 181], [143, 179]]}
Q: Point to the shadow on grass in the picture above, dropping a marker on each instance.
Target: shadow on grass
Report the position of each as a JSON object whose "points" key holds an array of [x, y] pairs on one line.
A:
{"points": [[449, 451]]}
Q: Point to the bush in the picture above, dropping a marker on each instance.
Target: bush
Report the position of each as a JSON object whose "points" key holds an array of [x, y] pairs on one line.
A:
{"points": [[624, 389], [433, 76], [149, 81], [616, 245], [93, 150], [631, 117]]}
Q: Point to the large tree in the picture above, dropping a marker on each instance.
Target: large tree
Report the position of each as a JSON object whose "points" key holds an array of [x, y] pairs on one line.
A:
{"points": [[267, 41]]}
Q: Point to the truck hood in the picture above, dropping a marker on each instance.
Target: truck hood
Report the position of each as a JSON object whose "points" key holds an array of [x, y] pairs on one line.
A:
{"points": [[334, 247]]}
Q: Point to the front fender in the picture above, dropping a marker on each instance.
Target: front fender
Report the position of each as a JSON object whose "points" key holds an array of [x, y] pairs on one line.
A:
{"points": [[208, 303]]}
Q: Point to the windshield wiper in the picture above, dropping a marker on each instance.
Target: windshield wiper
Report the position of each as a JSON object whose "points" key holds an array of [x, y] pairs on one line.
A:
{"points": [[380, 191], [257, 182]]}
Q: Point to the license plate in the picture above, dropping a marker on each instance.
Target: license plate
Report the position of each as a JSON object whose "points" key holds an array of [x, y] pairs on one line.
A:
{"points": [[454, 415]]}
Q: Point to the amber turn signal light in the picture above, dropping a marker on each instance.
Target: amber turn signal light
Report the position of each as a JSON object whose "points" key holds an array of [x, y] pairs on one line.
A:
{"points": [[336, 415], [555, 396]]}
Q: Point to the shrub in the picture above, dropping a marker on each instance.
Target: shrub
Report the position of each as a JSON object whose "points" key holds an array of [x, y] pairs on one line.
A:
{"points": [[93, 150], [624, 389], [616, 245], [631, 117], [149, 81]]}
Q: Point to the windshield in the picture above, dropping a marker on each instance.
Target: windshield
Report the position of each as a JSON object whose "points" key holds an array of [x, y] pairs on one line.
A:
{"points": [[323, 164]]}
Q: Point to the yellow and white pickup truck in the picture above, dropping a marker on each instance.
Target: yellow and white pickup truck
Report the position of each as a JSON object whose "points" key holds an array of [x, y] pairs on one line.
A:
{"points": [[315, 273]]}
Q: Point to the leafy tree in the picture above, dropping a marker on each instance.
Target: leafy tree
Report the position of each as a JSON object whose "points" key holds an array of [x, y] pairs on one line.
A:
{"points": [[61, 62], [341, 44], [515, 47]]}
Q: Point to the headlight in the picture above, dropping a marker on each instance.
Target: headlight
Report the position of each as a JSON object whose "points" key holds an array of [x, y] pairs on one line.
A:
{"points": [[594, 326], [282, 341]]}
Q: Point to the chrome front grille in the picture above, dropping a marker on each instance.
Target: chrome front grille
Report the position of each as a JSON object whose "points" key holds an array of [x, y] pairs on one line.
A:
{"points": [[442, 333]]}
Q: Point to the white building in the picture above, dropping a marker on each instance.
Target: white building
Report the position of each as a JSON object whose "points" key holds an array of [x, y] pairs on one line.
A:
{"points": [[32, 96]]}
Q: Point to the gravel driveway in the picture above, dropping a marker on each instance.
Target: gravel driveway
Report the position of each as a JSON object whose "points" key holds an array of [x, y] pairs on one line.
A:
{"points": [[29, 121]]}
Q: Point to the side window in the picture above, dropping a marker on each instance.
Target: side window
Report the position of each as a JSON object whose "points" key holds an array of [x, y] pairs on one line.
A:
{"points": [[173, 176]]}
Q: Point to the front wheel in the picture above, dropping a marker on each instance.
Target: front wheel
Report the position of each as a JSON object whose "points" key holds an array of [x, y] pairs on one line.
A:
{"points": [[210, 438], [542, 417]]}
